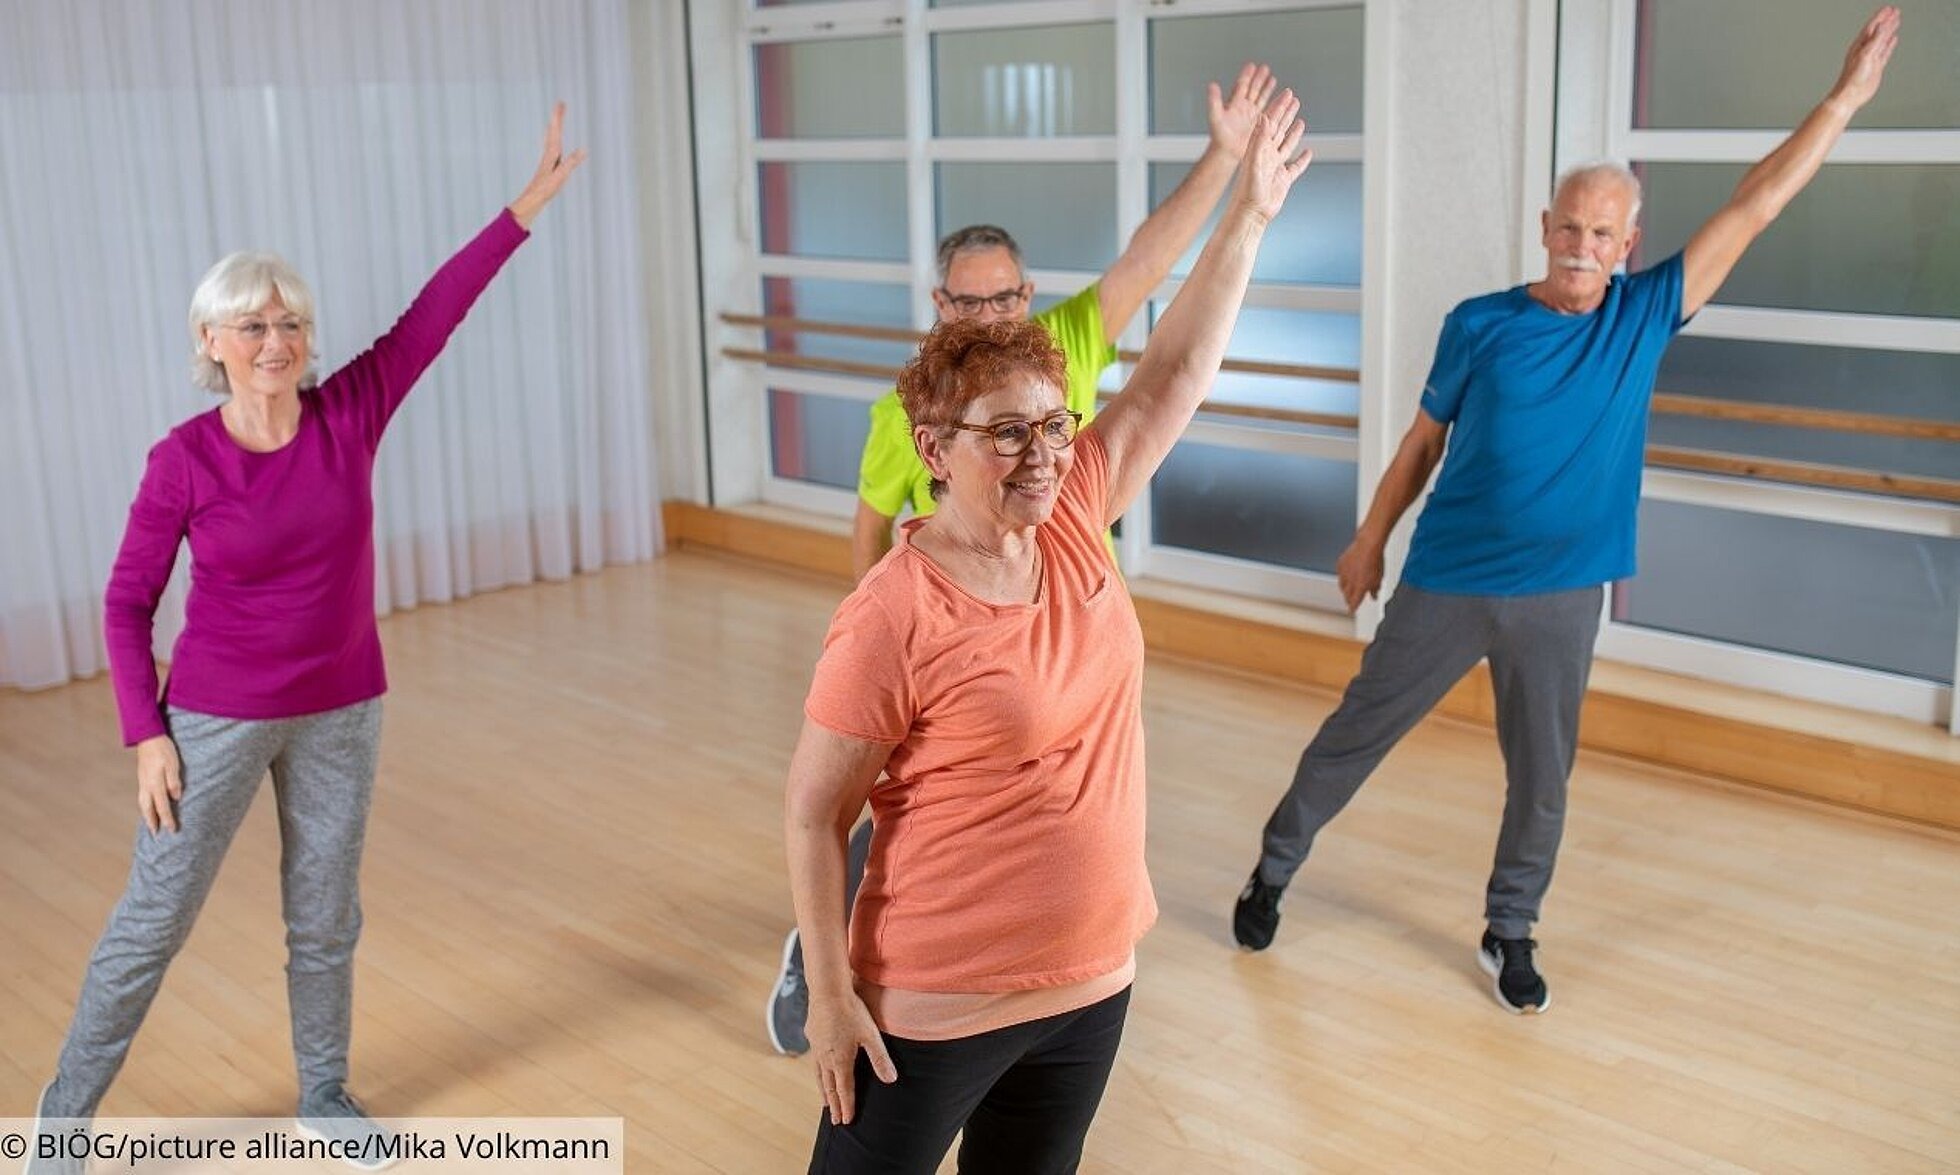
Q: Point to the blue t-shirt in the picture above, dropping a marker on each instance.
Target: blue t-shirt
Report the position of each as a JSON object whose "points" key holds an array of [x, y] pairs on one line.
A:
{"points": [[1548, 428]]}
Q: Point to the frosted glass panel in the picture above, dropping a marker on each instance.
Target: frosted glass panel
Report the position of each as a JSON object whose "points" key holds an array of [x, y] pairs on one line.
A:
{"points": [[1317, 52], [1063, 214], [1316, 239], [852, 88], [1897, 383], [1288, 336], [850, 210], [1029, 82], [1840, 593], [1270, 507], [822, 300], [1765, 63], [1875, 238], [817, 438]]}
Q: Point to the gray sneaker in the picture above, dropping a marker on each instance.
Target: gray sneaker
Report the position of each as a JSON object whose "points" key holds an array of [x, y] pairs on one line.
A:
{"points": [[331, 1114], [789, 1003], [55, 1128]]}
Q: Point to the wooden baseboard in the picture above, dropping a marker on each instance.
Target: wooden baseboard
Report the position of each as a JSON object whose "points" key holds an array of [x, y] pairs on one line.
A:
{"points": [[1918, 782]]}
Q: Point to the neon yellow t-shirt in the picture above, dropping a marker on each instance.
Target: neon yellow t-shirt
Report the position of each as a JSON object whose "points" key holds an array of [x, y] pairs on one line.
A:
{"points": [[890, 473]]}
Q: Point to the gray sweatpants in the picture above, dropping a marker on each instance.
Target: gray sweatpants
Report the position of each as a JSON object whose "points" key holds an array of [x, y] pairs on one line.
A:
{"points": [[1540, 650], [322, 769]]}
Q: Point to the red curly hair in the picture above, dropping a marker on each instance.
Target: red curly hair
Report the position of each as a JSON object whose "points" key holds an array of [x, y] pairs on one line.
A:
{"points": [[959, 362]]}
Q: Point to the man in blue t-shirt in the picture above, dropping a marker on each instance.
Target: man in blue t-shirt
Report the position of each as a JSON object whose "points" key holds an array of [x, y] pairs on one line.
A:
{"points": [[1541, 393]]}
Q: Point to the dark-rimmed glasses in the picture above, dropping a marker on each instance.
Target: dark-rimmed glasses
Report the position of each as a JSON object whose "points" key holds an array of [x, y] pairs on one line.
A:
{"points": [[968, 305], [1013, 437]]}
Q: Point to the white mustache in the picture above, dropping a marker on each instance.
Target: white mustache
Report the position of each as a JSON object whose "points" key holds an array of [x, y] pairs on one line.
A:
{"points": [[1582, 264]]}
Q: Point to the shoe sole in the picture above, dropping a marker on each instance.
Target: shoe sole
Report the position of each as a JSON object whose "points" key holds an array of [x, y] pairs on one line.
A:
{"points": [[769, 1008], [1493, 967], [321, 1135]]}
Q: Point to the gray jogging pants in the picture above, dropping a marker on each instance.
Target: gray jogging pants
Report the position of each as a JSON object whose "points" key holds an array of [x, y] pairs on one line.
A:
{"points": [[1540, 650], [322, 768]]}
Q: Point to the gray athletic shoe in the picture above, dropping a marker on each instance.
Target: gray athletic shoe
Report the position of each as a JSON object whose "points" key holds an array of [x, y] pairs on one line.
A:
{"points": [[789, 1003], [331, 1114], [58, 1129]]}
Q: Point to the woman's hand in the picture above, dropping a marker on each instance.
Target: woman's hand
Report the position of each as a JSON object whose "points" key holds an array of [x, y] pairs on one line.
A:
{"points": [[1233, 119], [1270, 167], [554, 168], [838, 1027], [159, 782]]}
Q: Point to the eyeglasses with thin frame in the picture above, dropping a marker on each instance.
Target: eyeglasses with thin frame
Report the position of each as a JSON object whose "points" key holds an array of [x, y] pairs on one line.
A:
{"points": [[968, 305], [255, 330], [1013, 437]]}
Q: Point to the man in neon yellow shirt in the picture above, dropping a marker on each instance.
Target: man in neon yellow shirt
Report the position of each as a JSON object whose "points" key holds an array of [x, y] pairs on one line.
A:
{"points": [[981, 277]]}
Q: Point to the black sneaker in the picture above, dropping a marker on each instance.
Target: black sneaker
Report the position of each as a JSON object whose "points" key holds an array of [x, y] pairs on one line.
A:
{"points": [[1514, 981], [789, 1003], [1256, 918]]}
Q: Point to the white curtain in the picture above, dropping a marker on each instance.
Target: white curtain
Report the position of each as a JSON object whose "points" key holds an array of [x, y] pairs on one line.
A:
{"points": [[365, 140]]}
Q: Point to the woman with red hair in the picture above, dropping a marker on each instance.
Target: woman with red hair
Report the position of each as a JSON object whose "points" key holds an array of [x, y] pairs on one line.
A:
{"points": [[991, 667]]}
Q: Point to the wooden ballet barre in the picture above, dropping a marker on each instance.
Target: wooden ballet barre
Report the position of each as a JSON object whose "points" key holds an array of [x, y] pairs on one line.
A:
{"points": [[1838, 477], [1668, 404], [1695, 460], [1868, 423], [893, 334]]}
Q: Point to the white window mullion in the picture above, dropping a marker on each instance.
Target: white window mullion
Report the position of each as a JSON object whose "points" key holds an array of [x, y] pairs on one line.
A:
{"points": [[1739, 146], [1620, 66], [848, 18], [1186, 148], [1782, 673], [1809, 503], [1828, 328], [1375, 442], [1132, 208], [808, 496], [823, 383], [826, 150], [1025, 14], [1069, 149], [833, 268], [921, 211]]}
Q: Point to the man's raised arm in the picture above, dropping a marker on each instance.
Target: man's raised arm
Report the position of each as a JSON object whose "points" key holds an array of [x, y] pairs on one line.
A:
{"points": [[1774, 182]]}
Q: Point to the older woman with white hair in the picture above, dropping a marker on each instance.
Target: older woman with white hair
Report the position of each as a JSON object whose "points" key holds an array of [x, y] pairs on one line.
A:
{"points": [[279, 663]]}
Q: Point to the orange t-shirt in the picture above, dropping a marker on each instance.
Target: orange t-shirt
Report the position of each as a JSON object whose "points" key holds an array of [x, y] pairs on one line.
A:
{"points": [[1007, 851]]}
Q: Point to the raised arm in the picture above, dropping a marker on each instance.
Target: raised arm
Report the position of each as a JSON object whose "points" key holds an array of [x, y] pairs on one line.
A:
{"points": [[1178, 366], [1166, 233], [830, 775], [554, 168], [1359, 569], [1775, 181]]}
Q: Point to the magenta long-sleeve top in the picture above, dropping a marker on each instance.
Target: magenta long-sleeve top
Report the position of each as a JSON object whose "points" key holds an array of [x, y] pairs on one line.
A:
{"points": [[280, 617]]}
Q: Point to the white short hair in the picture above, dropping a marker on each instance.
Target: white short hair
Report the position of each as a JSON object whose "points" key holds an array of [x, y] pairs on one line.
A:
{"points": [[1610, 170], [240, 284]]}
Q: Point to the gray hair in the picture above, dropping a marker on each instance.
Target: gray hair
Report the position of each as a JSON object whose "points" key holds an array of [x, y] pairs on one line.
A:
{"points": [[240, 284], [972, 239], [1603, 170]]}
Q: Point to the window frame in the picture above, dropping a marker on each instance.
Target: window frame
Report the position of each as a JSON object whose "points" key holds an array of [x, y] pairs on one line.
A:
{"points": [[1597, 39]]}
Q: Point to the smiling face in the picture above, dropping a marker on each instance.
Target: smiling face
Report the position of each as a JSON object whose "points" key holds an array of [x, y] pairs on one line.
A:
{"points": [[270, 365], [988, 490], [1588, 233]]}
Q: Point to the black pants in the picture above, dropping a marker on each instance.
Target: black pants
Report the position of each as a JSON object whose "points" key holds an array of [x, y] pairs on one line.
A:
{"points": [[1024, 1094]]}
